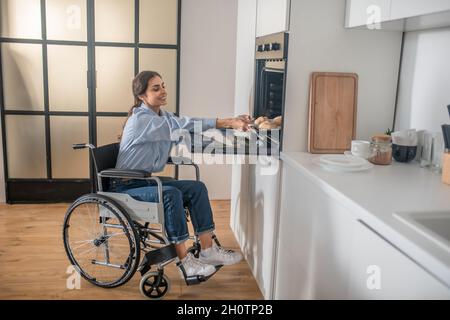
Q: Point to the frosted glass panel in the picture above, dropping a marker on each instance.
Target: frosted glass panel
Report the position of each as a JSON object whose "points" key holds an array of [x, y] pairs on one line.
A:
{"points": [[25, 141], [164, 61], [20, 19], [158, 21], [66, 162], [67, 82], [114, 20], [115, 72], [108, 129], [66, 20], [22, 76]]}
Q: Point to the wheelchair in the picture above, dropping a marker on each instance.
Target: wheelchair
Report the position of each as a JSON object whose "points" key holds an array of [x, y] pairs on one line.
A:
{"points": [[106, 233]]}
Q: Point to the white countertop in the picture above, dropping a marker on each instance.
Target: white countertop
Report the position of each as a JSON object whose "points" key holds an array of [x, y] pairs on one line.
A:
{"points": [[374, 195]]}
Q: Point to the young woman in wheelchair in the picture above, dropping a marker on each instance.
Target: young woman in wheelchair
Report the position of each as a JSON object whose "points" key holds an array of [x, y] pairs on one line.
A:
{"points": [[145, 145]]}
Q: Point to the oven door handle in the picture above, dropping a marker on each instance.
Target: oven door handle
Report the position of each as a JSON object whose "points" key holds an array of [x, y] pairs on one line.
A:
{"points": [[272, 70]]}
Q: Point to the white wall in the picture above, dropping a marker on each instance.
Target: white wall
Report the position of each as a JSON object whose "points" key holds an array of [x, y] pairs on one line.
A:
{"points": [[424, 80], [207, 74], [319, 42]]}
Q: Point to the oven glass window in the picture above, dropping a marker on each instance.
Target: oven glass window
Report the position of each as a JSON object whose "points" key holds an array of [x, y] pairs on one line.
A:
{"points": [[269, 89], [272, 93]]}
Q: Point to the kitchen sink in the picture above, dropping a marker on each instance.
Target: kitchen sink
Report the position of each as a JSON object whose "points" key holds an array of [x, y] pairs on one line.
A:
{"points": [[434, 225]]}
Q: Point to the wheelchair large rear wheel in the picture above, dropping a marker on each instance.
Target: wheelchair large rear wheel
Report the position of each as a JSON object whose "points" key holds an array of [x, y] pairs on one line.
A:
{"points": [[101, 241]]}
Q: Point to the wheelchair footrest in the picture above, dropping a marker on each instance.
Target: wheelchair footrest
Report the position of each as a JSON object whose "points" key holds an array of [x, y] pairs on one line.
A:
{"points": [[157, 256], [192, 280]]}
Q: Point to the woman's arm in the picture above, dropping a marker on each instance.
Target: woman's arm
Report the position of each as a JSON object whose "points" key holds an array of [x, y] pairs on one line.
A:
{"points": [[188, 123], [146, 127], [239, 123]]}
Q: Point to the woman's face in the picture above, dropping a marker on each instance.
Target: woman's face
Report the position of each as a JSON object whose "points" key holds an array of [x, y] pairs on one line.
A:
{"points": [[156, 94]]}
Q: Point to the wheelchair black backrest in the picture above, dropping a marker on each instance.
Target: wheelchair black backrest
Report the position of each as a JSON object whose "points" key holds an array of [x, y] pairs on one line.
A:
{"points": [[105, 157]]}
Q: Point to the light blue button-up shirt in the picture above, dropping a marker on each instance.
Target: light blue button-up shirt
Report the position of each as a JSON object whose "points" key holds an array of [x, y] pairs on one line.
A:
{"points": [[148, 137]]}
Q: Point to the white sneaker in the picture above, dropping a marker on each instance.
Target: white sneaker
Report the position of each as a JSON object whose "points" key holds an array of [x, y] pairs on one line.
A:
{"points": [[219, 256], [194, 267]]}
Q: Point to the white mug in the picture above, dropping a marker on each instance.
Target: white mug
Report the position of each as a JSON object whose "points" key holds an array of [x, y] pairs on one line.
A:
{"points": [[361, 148]]}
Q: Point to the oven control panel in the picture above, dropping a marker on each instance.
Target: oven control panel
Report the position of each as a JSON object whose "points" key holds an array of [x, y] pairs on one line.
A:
{"points": [[272, 46]]}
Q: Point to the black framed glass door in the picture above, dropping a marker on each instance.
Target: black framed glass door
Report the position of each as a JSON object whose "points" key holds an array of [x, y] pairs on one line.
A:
{"points": [[66, 71]]}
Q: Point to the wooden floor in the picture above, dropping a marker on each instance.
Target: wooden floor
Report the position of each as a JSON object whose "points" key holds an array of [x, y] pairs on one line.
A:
{"points": [[33, 262]]}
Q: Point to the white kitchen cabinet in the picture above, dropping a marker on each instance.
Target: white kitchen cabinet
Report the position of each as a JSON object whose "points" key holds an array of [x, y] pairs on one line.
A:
{"points": [[272, 16], [362, 12], [315, 232], [380, 271], [325, 251], [293, 272], [254, 219], [333, 229], [405, 15], [410, 8]]}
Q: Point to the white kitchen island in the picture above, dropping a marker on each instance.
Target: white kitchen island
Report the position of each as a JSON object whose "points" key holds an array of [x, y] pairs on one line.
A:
{"points": [[338, 237]]}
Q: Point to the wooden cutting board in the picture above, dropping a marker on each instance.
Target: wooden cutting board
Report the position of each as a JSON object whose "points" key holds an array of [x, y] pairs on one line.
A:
{"points": [[332, 111]]}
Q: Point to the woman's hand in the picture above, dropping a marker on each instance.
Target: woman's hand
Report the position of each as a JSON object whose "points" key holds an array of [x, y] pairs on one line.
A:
{"points": [[239, 123], [245, 117]]}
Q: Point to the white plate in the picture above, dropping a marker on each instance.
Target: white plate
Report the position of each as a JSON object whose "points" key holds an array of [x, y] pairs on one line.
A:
{"points": [[344, 161], [349, 153], [330, 167]]}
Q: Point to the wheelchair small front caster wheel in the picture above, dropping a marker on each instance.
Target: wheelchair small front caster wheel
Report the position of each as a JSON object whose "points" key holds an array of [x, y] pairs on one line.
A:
{"points": [[154, 285]]}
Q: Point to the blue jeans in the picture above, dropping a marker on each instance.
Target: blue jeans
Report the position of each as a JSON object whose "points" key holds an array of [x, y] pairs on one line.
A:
{"points": [[176, 195]]}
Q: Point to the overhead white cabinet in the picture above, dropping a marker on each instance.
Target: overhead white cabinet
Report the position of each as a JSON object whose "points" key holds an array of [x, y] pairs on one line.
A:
{"points": [[410, 8], [272, 16], [405, 15], [363, 12]]}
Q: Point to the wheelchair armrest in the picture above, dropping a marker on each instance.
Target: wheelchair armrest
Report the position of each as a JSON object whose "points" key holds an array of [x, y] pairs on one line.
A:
{"points": [[181, 161], [123, 173], [132, 174]]}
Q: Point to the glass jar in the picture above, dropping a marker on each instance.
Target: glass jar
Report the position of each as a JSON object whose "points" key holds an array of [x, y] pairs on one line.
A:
{"points": [[381, 150]]}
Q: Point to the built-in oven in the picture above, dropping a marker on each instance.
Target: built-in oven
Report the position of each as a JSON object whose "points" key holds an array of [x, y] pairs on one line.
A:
{"points": [[270, 84], [270, 76]]}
